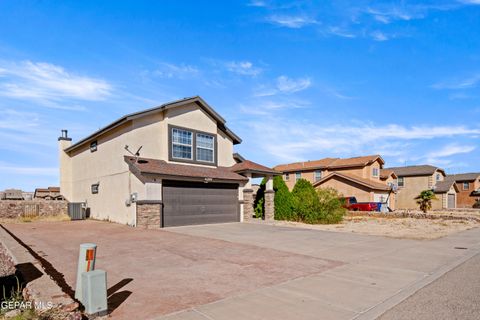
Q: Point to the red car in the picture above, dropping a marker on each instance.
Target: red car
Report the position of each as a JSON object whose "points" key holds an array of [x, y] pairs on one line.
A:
{"points": [[352, 205]]}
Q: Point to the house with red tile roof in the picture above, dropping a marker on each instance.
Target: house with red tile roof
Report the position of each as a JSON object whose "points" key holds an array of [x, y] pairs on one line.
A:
{"points": [[360, 177], [166, 166]]}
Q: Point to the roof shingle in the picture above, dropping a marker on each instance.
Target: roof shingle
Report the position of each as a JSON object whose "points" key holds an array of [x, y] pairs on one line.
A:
{"points": [[464, 176], [329, 163], [420, 170]]}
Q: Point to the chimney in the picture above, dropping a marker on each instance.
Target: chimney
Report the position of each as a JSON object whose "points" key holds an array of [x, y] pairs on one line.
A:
{"points": [[65, 165]]}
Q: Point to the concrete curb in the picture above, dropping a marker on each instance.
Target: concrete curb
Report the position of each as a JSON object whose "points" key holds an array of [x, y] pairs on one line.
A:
{"points": [[379, 309], [41, 287]]}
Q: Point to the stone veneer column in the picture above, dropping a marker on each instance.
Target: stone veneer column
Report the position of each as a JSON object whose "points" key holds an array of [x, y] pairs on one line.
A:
{"points": [[247, 204], [269, 205], [149, 214]]}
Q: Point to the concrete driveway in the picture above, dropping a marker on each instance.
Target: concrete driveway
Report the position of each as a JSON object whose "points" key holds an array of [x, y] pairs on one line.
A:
{"points": [[247, 270]]}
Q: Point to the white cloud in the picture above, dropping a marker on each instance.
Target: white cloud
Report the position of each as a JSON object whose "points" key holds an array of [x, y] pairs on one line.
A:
{"points": [[257, 3], [394, 13], [258, 107], [379, 36], [450, 150], [458, 84], [473, 2], [341, 32], [304, 138], [290, 21], [284, 85], [245, 68], [180, 71], [45, 82]]}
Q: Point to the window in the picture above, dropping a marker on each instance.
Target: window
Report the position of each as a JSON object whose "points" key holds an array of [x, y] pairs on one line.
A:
{"points": [[287, 176], [181, 144], [375, 172], [466, 186], [205, 147], [298, 176], [93, 146], [401, 181], [95, 188], [317, 175], [438, 177]]}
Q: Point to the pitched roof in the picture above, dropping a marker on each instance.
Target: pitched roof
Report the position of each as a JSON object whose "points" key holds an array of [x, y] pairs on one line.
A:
{"points": [[250, 166], [463, 176], [329, 163], [357, 179], [444, 186], [173, 104], [154, 166], [420, 170], [386, 173]]}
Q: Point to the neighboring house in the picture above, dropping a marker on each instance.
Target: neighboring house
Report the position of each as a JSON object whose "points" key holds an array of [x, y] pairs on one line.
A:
{"points": [[468, 185], [414, 179], [50, 193], [360, 177], [177, 157], [12, 194]]}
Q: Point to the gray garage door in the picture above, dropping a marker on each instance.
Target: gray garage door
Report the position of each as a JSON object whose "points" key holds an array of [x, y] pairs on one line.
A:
{"points": [[451, 201], [186, 203]]}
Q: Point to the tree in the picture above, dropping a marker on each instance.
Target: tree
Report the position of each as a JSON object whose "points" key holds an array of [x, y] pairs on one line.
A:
{"points": [[283, 200], [424, 199], [305, 201]]}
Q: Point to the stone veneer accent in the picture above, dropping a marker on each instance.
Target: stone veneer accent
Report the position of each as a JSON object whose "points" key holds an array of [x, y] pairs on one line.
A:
{"points": [[248, 204], [149, 214], [18, 208], [269, 205]]}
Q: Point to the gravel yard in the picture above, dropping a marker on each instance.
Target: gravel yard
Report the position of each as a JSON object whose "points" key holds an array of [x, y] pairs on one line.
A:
{"points": [[405, 228]]}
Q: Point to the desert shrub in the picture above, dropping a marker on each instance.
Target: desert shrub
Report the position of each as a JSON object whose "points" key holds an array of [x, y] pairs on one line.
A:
{"points": [[424, 200], [305, 201], [283, 200], [330, 206], [476, 205]]}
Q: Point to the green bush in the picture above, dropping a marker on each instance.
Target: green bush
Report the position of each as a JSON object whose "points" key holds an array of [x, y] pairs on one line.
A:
{"points": [[330, 206], [283, 201], [259, 202], [476, 205], [305, 201]]}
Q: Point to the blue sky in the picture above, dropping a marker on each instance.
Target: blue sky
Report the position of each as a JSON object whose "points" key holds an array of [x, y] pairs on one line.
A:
{"points": [[297, 80]]}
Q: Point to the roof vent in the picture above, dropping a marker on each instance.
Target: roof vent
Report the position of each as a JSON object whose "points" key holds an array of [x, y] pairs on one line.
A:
{"points": [[142, 161]]}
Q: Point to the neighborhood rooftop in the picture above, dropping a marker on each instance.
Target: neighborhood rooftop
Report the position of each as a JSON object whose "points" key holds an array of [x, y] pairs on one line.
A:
{"points": [[329, 163], [419, 170], [464, 176]]}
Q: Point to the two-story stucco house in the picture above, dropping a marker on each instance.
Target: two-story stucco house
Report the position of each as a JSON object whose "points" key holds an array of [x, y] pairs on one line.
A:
{"points": [[468, 185], [360, 177], [414, 179], [166, 166]]}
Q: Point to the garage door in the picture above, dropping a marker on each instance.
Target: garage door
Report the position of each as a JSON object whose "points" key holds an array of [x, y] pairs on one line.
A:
{"points": [[451, 201], [187, 203]]}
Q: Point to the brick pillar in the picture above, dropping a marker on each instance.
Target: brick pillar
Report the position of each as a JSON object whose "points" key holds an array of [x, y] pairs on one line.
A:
{"points": [[149, 214], [269, 205], [247, 204]]}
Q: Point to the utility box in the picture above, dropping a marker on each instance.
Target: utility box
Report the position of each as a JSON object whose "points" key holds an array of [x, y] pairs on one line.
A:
{"points": [[86, 263], [94, 290]]}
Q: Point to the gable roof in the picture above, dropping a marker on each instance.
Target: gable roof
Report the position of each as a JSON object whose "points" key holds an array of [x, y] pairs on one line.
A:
{"points": [[253, 167], [386, 173], [444, 186], [464, 176], [420, 170], [330, 163], [172, 170], [169, 105], [354, 178]]}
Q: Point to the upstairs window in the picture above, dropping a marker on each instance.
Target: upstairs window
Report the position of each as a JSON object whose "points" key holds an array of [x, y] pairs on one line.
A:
{"points": [[401, 181], [438, 176], [466, 186], [205, 147], [317, 175], [181, 144], [298, 176], [93, 146], [94, 188], [287, 176], [375, 172]]}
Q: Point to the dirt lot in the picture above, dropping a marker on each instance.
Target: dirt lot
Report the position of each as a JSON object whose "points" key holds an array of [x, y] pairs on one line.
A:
{"points": [[405, 228]]}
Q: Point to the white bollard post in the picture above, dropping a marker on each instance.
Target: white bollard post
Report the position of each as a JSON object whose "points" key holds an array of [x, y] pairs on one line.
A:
{"points": [[86, 262]]}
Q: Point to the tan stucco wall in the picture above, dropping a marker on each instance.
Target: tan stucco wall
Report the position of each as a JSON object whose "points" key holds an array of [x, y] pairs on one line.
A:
{"points": [[106, 166], [348, 189], [413, 186]]}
